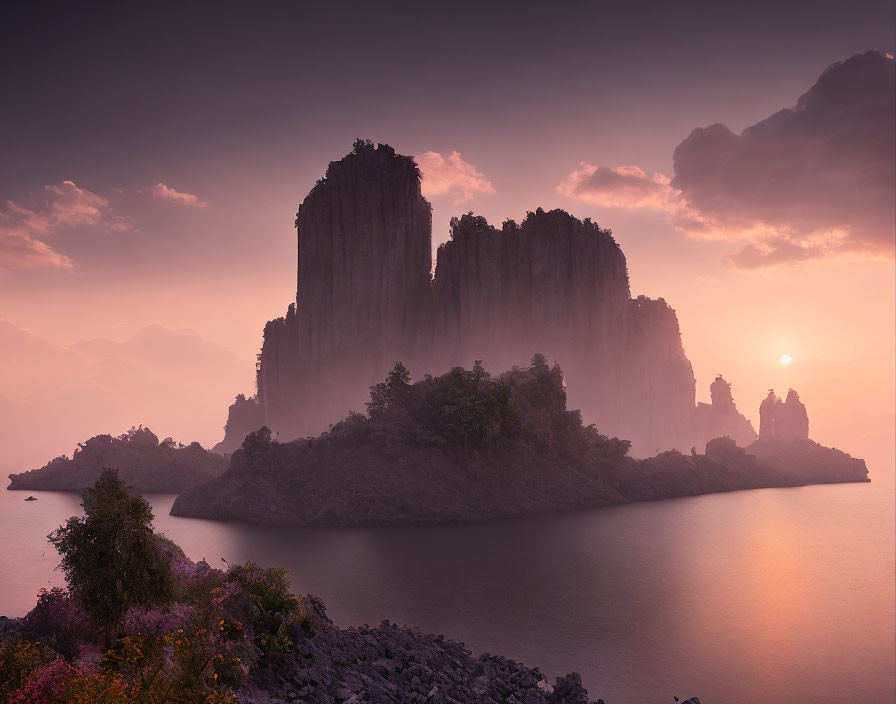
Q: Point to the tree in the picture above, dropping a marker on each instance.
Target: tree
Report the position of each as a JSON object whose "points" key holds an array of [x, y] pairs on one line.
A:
{"points": [[111, 556], [539, 360], [392, 392]]}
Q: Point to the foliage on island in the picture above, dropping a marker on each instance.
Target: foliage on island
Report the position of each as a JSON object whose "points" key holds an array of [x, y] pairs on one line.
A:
{"points": [[468, 446], [462, 446], [144, 462]]}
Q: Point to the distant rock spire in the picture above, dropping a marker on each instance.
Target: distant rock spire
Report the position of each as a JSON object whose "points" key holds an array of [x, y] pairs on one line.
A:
{"points": [[720, 393], [720, 418], [767, 416], [793, 421], [787, 420]]}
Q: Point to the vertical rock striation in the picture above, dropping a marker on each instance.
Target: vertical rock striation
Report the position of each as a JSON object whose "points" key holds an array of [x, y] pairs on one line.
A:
{"points": [[552, 284], [559, 286], [783, 420], [721, 418], [364, 259]]}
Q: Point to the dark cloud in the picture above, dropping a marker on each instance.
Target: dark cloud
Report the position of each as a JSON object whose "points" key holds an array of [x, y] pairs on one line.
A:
{"points": [[813, 180]]}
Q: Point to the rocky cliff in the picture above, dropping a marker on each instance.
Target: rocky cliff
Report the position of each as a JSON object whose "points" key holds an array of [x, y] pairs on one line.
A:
{"points": [[363, 291], [366, 298], [783, 420], [559, 285], [784, 443], [720, 418]]}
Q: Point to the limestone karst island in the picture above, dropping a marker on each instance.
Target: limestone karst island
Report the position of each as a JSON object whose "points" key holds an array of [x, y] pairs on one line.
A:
{"points": [[447, 353]]}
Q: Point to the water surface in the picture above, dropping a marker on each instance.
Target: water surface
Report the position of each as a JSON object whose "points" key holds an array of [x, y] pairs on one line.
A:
{"points": [[775, 595]]}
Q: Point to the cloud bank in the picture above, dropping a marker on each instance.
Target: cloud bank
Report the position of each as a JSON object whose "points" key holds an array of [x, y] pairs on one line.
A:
{"points": [[24, 231], [163, 192], [451, 175], [812, 181]]}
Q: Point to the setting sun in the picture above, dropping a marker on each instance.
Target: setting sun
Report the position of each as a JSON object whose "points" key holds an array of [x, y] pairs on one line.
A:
{"points": [[786, 359]]}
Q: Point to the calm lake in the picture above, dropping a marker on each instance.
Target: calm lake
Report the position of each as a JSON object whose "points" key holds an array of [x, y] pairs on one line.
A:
{"points": [[776, 595]]}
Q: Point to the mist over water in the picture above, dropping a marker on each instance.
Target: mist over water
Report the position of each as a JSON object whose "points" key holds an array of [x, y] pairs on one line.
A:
{"points": [[783, 595]]}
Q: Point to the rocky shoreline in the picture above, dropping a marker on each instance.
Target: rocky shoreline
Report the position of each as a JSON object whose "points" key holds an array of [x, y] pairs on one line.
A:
{"points": [[386, 663], [389, 663]]}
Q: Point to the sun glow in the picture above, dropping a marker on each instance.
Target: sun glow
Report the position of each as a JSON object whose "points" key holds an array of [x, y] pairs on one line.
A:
{"points": [[786, 359]]}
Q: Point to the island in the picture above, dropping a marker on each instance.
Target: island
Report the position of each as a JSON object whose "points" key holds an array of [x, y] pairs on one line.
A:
{"points": [[145, 463], [467, 446]]}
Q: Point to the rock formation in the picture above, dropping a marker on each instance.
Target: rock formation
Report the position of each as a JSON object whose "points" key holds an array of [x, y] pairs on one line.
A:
{"points": [[785, 420], [389, 663], [364, 259], [785, 445], [366, 298], [557, 285], [720, 418]]}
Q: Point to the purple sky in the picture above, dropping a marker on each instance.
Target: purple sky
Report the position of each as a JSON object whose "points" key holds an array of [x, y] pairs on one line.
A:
{"points": [[154, 155]]}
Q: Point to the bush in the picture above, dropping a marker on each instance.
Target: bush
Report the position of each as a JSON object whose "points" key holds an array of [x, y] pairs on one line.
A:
{"points": [[18, 661], [46, 685], [57, 621], [261, 599]]}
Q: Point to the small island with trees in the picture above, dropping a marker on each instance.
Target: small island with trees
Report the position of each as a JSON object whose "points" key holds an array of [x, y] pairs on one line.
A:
{"points": [[468, 446], [149, 465]]}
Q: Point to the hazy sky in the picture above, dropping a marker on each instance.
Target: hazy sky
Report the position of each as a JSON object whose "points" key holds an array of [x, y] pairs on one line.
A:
{"points": [[154, 154]]}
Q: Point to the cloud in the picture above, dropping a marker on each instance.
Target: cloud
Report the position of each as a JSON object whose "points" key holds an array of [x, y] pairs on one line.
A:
{"points": [[623, 187], [775, 250], [812, 181], [160, 190], [24, 231], [451, 175]]}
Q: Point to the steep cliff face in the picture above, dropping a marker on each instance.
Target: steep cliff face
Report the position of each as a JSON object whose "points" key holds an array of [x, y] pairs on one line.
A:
{"points": [[559, 286], [244, 416], [721, 418], [654, 395], [552, 284], [363, 287], [783, 420]]}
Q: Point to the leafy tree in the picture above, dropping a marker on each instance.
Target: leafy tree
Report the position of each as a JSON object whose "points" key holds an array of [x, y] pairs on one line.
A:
{"points": [[391, 393], [362, 146], [539, 360], [111, 556]]}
